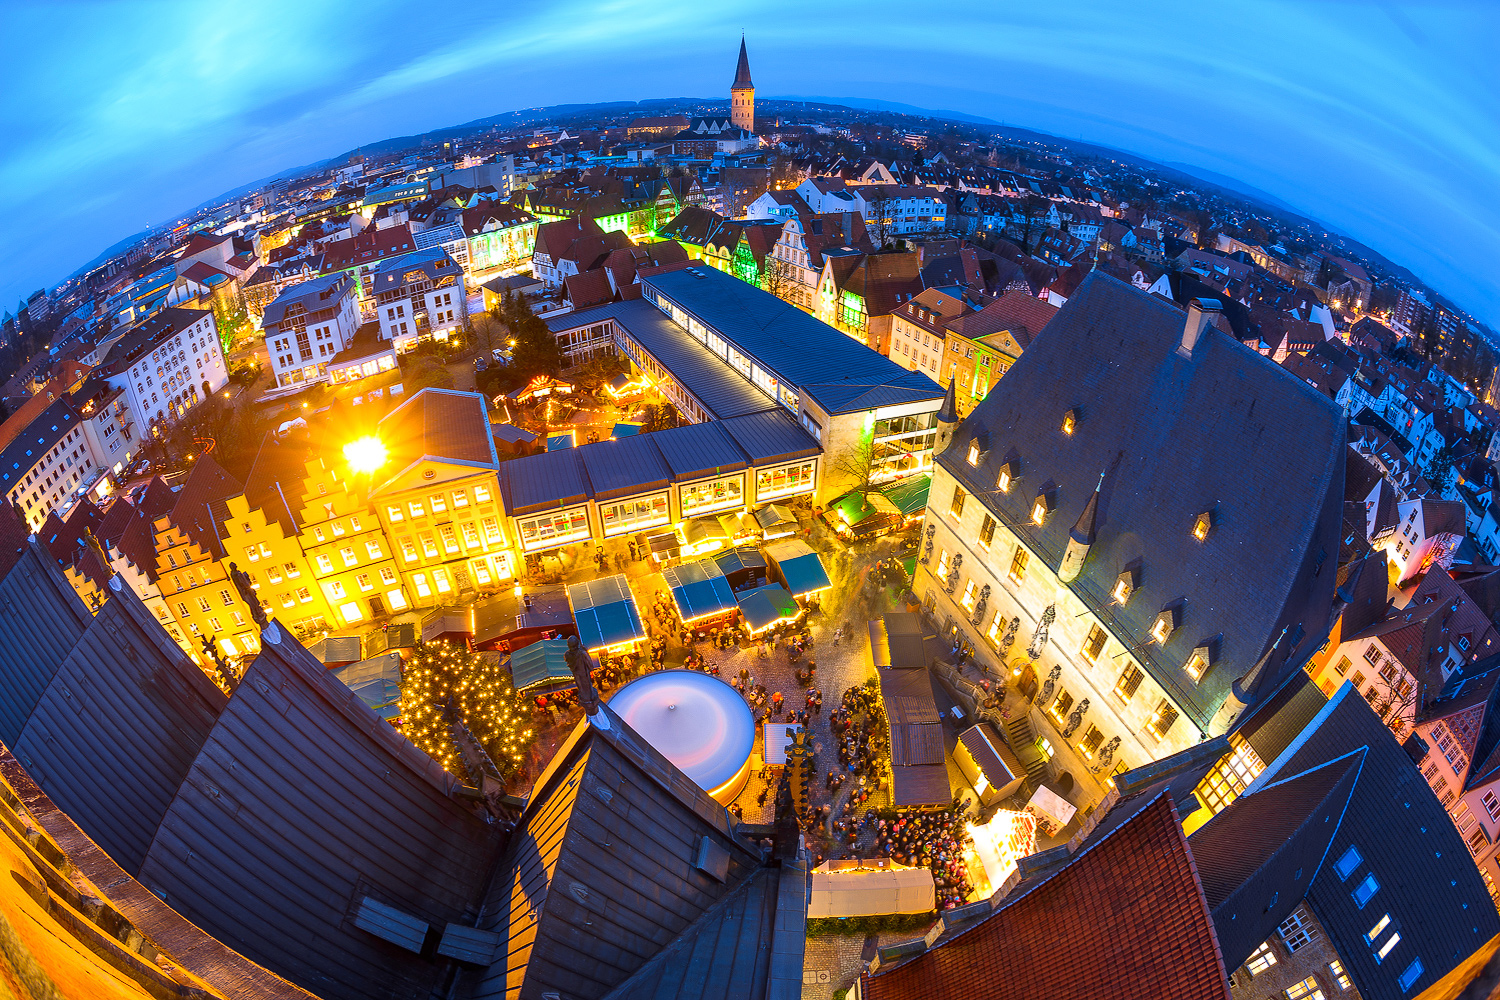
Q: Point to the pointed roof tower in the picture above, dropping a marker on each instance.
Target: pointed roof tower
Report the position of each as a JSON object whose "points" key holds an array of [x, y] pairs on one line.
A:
{"points": [[742, 71], [1081, 538], [948, 412]]}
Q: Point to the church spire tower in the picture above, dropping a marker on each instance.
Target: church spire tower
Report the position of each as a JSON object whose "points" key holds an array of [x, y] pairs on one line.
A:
{"points": [[742, 94]]}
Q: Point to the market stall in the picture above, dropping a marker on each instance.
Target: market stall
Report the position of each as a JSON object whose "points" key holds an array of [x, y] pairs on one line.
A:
{"points": [[605, 614], [540, 664], [743, 567], [700, 592], [867, 887], [794, 563], [766, 607], [516, 618]]}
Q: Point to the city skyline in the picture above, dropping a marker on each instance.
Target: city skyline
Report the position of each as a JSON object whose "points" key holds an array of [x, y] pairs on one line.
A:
{"points": [[1369, 120]]}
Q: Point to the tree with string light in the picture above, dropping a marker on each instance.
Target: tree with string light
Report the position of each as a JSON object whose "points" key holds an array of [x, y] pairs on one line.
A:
{"points": [[443, 683]]}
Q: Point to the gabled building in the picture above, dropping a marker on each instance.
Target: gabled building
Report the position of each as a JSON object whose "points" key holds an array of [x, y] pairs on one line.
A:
{"points": [[1091, 499], [419, 296], [166, 365], [308, 325], [438, 497], [981, 346]]}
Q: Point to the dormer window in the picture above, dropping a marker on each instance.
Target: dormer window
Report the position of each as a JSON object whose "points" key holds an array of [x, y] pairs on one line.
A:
{"points": [[1198, 664], [1165, 625], [1201, 524], [1041, 508], [974, 452], [1007, 475], [1070, 421], [1124, 587]]}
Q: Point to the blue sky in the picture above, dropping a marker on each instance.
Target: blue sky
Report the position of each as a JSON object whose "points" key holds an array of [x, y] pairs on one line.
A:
{"points": [[1378, 119]]}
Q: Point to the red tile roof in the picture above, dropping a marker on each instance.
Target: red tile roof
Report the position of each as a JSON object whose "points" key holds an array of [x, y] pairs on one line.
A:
{"points": [[1126, 918]]}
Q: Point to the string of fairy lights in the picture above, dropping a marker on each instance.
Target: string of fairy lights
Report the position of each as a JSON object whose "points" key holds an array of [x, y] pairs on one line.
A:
{"points": [[442, 682]]}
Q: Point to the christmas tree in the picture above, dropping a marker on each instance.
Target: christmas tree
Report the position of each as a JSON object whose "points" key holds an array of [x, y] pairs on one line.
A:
{"points": [[443, 683]]}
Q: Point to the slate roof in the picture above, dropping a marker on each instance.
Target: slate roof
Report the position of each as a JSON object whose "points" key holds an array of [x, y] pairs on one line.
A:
{"points": [[439, 424], [721, 390], [115, 732], [1427, 880], [144, 336], [28, 447], [320, 297], [1257, 857], [206, 488], [624, 466], [770, 436], [1227, 432], [301, 804], [835, 371], [1126, 917], [601, 878], [42, 621], [547, 479]]}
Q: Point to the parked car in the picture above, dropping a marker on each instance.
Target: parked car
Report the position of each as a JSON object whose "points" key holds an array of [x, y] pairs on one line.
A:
{"points": [[501, 356], [481, 363]]}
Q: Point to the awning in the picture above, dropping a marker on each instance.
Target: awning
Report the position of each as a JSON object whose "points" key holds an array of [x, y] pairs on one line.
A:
{"points": [[698, 589], [540, 663], [336, 649], [776, 521], [798, 566], [909, 494], [624, 430], [870, 887], [605, 613], [739, 527], [766, 606], [376, 681], [776, 742], [704, 534], [557, 442], [1056, 808]]}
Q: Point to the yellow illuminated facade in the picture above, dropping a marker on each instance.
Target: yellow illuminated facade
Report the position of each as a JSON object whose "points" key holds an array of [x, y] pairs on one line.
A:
{"points": [[447, 527], [349, 556], [276, 566]]}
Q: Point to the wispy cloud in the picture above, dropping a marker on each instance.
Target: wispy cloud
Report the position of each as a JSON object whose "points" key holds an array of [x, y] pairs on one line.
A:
{"points": [[1377, 119]]}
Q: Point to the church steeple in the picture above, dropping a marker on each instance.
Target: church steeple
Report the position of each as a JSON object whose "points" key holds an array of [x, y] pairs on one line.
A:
{"points": [[742, 93]]}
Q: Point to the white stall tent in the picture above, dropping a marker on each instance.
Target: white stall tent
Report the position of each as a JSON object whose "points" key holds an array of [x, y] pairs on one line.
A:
{"points": [[870, 887]]}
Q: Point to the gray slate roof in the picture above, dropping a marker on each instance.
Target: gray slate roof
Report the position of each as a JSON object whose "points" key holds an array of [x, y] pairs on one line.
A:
{"points": [[320, 297], [1428, 882], [1226, 432], [302, 803], [836, 371], [43, 618], [602, 877], [721, 389], [113, 736], [49, 427]]}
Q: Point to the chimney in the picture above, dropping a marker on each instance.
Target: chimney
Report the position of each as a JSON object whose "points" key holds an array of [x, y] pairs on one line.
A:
{"points": [[1200, 314]]}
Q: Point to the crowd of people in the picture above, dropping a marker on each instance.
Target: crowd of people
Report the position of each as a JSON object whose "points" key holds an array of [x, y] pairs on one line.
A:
{"points": [[935, 840]]}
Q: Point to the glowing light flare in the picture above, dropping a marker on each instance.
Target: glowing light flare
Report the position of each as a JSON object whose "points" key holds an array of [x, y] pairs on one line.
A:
{"points": [[365, 454]]}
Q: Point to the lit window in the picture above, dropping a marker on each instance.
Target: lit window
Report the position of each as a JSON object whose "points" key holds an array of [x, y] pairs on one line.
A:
{"points": [[1305, 990], [373, 549], [1230, 776], [351, 612], [1018, 565], [394, 513], [397, 599], [1492, 805], [336, 588], [1196, 664], [974, 452], [325, 564], [1346, 863], [439, 502], [1003, 481], [1340, 977], [1364, 890], [1089, 745], [1060, 706], [1342, 666], [481, 494], [1123, 586], [1130, 679], [429, 545], [942, 569], [420, 579], [416, 509], [1261, 959], [1094, 644], [1385, 949], [460, 498], [1201, 525], [347, 552], [1162, 627], [1040, 508], [440, 577], [1161, 720], [364, 581], [986, 532], [971, 594], [957, 507]]}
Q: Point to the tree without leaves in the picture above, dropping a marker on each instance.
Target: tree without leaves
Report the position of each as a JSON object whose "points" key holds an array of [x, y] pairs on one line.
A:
{"points": [[442, 682]]}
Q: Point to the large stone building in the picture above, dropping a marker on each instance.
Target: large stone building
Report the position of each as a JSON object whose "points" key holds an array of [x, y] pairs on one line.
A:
{"points": [[1139, 525]]}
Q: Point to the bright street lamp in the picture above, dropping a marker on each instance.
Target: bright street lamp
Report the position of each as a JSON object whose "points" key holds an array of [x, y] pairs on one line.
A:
{"points": [[365, 454]]}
